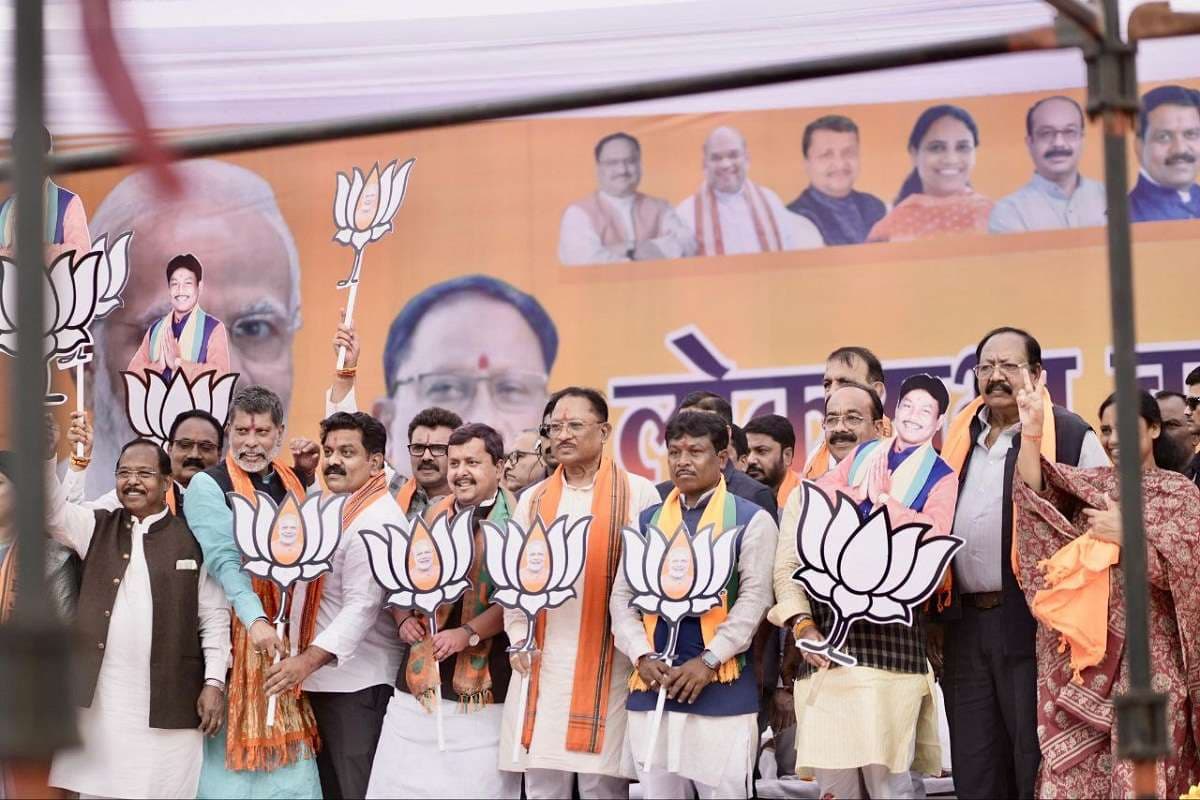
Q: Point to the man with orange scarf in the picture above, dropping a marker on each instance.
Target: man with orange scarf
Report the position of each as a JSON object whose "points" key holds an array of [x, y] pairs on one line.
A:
{"points": [[709, 731], [574, 725], [990, 681], [464, 666], [850, 365], [347, 670], [248, 759]]}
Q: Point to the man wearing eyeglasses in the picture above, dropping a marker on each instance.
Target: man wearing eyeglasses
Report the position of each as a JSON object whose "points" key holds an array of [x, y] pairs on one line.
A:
{"points": [[474, 345], [990, 668], [194, 444], [523, 465], [1192, 382], [1057, 196], [1178, 429]]}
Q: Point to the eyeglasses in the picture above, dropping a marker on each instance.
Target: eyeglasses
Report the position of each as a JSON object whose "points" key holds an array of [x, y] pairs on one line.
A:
{"points": [[512, 390], [207, 448], [1193, 403], [574, 427], [517, 455], [1048, 135], [831, 421], [986, 371], [435, 450], [141, 474]]}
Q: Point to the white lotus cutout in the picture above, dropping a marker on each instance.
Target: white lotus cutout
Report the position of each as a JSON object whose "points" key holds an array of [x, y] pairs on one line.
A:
{"points": [[864, 568], [363, 207], [291, 542], [679, 575], [422, 566], [152, 404], [536, 569]]}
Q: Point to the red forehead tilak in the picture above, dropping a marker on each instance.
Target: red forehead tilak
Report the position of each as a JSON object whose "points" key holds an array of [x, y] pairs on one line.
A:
{"points": [[483, 361]]}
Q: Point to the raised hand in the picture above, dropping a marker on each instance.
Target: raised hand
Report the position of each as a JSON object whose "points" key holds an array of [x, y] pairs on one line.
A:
{"points": [[879, 479], [306, 455], [1031, 403], [346, 337], [80, 432]]}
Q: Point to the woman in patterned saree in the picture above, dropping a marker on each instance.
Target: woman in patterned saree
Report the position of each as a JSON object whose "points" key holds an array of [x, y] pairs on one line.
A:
{"points": [[1068, 538]]}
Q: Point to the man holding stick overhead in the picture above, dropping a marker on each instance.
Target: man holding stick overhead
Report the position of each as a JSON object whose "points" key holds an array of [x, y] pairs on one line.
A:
{"points": [[250, 759], [574, 724], [709, 735], [465, 663]]}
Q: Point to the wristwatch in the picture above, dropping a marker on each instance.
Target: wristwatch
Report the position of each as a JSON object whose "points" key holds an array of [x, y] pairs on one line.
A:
{"points": [[710, 660], [472, 636]]}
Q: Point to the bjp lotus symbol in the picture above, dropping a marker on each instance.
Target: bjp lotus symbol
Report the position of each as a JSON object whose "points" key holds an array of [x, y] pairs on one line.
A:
{"points": [[864, 569], [152, 404], [422, 566], [364, 207], [289, 542], [535, 570]]}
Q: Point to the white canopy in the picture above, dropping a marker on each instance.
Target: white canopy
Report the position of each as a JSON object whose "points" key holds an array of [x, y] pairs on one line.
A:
{"points": [[206, 63]]}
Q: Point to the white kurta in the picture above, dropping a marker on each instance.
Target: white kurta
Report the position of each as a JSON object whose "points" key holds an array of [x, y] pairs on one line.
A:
{"points": [[579, 243], [120, 754], [737, 222], [409, 764], [548, 747]]}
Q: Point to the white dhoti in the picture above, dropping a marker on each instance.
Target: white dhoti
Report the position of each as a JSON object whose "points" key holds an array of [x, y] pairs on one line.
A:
{"points": [[409, 764], [715, 753]]}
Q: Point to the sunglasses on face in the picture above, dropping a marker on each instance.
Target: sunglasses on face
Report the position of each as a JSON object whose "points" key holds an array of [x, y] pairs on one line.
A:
{"points": [[1193, 403]]}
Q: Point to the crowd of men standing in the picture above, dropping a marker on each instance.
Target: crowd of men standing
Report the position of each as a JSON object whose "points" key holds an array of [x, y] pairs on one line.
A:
{"points": [[180, 658]]}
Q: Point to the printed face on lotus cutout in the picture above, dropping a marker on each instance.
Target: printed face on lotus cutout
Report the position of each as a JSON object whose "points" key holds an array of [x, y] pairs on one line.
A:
{"points": [[422, 556]]}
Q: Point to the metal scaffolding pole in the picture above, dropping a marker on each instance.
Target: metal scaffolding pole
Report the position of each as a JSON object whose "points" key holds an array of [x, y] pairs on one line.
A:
{"points": [[36, 716]]}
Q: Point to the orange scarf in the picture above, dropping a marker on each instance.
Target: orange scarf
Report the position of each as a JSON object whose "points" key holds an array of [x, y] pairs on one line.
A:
{"points": [[404, 494], [250, 745], [820, 463], [472, 680], [956, 449], [707, 220], [790, 481], [595, 652]]}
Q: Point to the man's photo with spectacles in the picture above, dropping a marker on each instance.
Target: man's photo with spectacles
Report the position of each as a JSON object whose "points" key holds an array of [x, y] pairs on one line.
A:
{"points": [[524, 464], [474, 345]]}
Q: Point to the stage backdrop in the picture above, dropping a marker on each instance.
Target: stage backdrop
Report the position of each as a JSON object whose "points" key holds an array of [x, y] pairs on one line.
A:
{"points": [[488, 199]]}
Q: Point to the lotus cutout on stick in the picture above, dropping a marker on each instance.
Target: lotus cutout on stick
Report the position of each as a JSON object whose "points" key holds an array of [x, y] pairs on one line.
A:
{"points": [[291, 542], [152, 404], [864, 568], [533, 571], [423, 566], [674, 577], [363, 208]]}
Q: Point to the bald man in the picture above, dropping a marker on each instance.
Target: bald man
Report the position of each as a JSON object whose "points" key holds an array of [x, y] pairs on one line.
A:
{"points": [[731, 214], [228, 218]]}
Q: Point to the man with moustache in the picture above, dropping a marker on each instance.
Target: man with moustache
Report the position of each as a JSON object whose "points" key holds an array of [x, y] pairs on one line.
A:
{"points": [[846, 365], [709, 732], [738, 482], [347, 669], [730, 214], [574, 730], [228, 218], [157, 638], [1192, 384], [464, 666], [194, 444], [990, 667], [617, 222], [1168, 145], [890, 691], [772, 442], [842, 214], [1057, 196], [240, 762]]}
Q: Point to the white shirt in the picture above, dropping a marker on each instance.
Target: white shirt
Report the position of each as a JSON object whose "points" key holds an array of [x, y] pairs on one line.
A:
{"points": [[737, 223], [978, 517], [579, 243], [352, 624]]}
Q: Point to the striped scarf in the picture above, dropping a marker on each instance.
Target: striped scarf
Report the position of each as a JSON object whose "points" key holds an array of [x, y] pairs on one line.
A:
{"points": [[191, 340], [707, 220]]}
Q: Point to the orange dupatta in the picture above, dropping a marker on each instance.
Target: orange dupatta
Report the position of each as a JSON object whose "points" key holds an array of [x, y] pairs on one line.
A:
{"points": [[956, 448], [250, 745], [790, 481], [594, 657], [404, 494]]}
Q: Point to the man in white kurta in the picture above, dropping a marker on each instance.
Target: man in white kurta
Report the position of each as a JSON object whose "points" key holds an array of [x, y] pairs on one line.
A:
{"points": [[617, 222], [578, 430], [708, 736], [730, 214], [121, 755]]}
